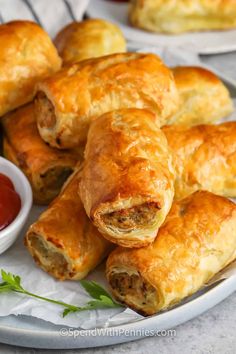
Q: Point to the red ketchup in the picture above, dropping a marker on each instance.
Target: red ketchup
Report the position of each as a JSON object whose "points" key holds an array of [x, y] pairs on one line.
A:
{"points": [[10, 202]]}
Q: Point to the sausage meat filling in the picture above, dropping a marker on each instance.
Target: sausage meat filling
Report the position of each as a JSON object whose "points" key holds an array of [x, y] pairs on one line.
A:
{"points": [[52, 261], [55, 177], [45, 111], [134, 290], [137, 216]]}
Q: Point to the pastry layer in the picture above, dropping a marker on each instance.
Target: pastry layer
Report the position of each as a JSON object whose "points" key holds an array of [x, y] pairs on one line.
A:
{"points": [[204, 158], [197, 240], [127, 180], [91, 38], [204, 99], [67, 102], [46, 168], [171, 16], [27, 55], [63, 241]]}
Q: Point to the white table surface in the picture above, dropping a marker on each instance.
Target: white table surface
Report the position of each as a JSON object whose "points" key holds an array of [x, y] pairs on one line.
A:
{"points": [[212, 332]]}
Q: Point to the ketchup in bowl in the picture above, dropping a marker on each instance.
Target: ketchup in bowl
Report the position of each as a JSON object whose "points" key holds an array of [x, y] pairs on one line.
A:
{"points": [[10, 202]]}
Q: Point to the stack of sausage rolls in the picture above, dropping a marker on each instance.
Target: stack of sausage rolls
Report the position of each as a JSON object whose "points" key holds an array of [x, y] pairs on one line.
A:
{"points": [[126, 152]]}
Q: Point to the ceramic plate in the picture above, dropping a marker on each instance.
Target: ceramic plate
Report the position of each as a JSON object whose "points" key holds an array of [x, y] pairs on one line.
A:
{"points": [[31, 332]]}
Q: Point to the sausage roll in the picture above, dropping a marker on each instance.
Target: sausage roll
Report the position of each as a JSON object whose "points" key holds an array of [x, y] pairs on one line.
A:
{"points": [[196, 241], [27, 55], [171, 16], [63, 241], [67, 102], [89, 39], [204, 157], [127, 182], [203, 97], [46, 168]]}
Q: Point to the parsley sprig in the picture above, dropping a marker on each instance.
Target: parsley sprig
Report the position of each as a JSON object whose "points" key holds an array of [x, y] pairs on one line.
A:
{"points": [[101, 298]]}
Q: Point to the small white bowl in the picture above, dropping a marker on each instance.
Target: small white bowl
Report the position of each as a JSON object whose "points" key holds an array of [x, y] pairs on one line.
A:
{"points": [[23, 188]]}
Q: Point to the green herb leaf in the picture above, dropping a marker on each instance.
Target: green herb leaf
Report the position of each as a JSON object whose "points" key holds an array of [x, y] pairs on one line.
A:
{"points": [[13, 281], [94, 289], [102, 298], [104, 302], [4, 287], [109, 301], [68, 311]]}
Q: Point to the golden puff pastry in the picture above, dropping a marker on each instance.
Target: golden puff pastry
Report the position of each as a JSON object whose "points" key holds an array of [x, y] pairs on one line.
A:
{"points": [[63, 241], [67, 102], [196, 241], [127, 182], [171, 16], [204, 157], [46, 168], [89, 39], [27, 55], [204, 99]]}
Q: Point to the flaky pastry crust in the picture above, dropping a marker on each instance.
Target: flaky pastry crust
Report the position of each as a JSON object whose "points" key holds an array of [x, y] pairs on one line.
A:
{"points": [[46, 168], [127, 180], [196, 241], [27, 55], [204, 157], [171, 16], [63, 241], [204, 99], [72, 98], [91, 38]]}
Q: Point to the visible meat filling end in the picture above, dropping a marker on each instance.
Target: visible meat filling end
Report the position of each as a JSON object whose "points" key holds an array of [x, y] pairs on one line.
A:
{"points": [[53, 261], [133, 289], [138, 216], [45, 111], [55, 177]]}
